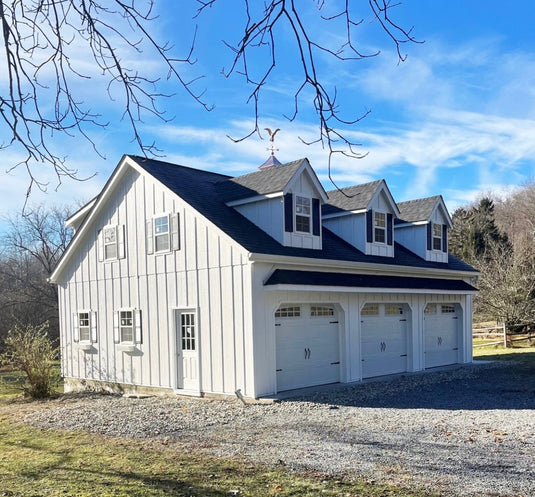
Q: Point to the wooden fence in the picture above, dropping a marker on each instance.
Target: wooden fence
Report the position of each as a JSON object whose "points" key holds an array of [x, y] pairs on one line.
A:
{"points": [[503, 335]]}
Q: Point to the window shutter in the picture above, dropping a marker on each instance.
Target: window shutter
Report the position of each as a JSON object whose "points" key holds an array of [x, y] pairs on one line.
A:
{"points": [[175, 232], [75, 328], [369, 226], [100, 245], [93, 327], [121, 252], [288, 213], [116, 337], [444, 238], [316, 229], [137, 326], [389, 229], [149, 236], [429, 235]]}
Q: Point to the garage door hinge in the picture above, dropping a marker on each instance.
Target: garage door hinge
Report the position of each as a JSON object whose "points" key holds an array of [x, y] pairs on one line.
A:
{"points": [[403, 355], [278, 370], [456, 348], [337, 362], [456, 317], [277, 324], [403, 320], [333, 322]]}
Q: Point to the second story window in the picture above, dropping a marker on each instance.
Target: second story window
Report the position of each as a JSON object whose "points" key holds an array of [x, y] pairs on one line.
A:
{"points": [[437, 236], [379, 227], [110, 243], [161, 234], [302, 214]]}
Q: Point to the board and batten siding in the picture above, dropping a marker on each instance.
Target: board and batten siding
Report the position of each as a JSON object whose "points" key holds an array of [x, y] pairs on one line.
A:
{"points": [[209, 273], [349, 305]]}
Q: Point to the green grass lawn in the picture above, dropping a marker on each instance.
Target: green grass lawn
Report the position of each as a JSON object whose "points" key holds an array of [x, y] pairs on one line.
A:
{"points": [[521, 352]]}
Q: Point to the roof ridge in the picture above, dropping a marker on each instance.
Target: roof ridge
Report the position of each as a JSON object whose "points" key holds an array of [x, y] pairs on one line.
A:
{"points": [[262, 171], [418, 199]]}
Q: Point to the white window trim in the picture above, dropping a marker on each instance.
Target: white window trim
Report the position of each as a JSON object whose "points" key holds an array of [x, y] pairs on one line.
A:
{"points": [[155, 235], [136, 328], [433, 237], [296, 196], [92, 326], [383, 228]]}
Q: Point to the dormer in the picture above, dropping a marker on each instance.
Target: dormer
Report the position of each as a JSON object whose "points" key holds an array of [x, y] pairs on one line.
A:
{"points": [[284, 200], [363, 215], [423, 226]]}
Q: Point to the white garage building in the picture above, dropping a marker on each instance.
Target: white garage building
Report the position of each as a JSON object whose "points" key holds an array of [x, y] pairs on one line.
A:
{"points": [[185, 281]]}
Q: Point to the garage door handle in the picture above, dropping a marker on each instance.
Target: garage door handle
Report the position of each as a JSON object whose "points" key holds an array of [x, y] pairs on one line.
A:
{"points": [[307, 353], [337, 362]]}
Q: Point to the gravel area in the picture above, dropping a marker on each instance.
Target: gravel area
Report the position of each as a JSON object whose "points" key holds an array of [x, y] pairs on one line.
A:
{"points": [[467, 431]]}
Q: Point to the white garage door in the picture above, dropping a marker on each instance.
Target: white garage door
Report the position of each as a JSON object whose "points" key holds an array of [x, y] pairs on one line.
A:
{"points": [[308, 351], [384, 339], [441, 334]]}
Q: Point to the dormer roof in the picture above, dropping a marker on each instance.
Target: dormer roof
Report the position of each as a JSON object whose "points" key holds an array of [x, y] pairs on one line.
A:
{"points": [[267, 181], [357, 198], [421, 210]]}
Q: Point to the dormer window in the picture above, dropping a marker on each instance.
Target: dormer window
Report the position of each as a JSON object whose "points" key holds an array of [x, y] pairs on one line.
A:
{"points": [[437, 236], [302, 214], [379, 227]]}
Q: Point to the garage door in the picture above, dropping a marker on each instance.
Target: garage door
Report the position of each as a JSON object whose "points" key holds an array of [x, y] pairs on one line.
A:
{"points": [[384, 339], [441, 334], [308, 350]]}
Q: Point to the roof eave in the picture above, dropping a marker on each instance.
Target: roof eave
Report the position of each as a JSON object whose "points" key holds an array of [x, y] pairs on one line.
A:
{"points": [[368, 266]]}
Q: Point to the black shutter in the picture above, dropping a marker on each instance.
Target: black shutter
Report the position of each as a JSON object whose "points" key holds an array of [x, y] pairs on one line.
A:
{"points": [[444, 238], [369, 226], [389, 237], [288, 212], [429, 235], [316, 216]]}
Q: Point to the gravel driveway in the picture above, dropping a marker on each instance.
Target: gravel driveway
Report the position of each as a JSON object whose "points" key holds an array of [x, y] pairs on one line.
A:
{"points": [[468, 431]]}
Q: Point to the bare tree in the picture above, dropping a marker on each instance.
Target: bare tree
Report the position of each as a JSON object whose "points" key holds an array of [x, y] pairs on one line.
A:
{"points": [[30, 250], [41, 37]]}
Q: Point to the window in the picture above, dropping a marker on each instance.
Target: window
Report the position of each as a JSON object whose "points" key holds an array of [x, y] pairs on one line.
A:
{"points": [[161, 234], [393, 309], [380, 227], [187, 330], [321, 310], [437, 236], [288, 312], [447, 309], [302, 214], [126, 326], [84, 328], [370, 310], [110, 243], [430, 309]]}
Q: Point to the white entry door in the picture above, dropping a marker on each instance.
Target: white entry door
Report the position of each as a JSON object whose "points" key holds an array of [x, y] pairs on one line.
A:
{"points": [[187, 350], [384, 339], [441, 334], [308, 350]]}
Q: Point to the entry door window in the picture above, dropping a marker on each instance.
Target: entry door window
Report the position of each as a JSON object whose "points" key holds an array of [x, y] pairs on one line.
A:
{"points": [[187, 330]]}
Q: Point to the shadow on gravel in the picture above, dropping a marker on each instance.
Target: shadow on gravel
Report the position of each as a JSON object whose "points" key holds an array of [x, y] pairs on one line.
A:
{"points": [[504, 385]]}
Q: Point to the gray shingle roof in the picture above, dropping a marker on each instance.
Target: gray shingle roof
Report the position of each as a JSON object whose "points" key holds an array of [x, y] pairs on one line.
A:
{"points": [[202, 190], [417, 210], [262, 182], [351, 198]]}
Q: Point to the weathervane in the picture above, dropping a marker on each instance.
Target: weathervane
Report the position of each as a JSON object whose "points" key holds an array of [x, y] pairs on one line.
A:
{"points": [[272, 134]]}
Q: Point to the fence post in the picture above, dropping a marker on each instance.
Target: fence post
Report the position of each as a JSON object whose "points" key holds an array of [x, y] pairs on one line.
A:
{"points": [[504, 336]]}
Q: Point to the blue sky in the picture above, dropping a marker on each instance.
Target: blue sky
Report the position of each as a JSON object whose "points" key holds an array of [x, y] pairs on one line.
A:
{"points": [[457, 118]]}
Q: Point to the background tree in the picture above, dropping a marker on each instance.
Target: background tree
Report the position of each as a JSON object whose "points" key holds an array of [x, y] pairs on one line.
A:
{"points": [[42, 42], [30, 250]]}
